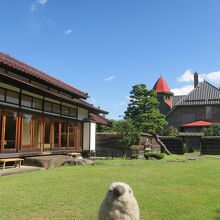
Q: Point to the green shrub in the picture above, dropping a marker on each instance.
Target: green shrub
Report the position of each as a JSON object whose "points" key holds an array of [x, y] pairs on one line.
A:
{"points": [[187, 149], [158, 156], [134, 154]]}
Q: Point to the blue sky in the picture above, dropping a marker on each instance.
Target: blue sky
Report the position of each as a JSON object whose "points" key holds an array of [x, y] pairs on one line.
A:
{"points": [[104, 47]]}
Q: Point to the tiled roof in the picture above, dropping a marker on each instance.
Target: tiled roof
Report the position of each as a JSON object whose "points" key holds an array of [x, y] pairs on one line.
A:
{"points": [[169, 102], [198, 124], [20, 66], [86, 104], [161, 86], [100, 119], [203, 94]]}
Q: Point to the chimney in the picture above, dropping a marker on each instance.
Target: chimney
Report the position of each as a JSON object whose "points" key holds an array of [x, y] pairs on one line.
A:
{"points": [[196, 79]]}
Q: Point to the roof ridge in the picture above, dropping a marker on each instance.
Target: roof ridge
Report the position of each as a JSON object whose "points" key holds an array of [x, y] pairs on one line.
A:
{"points": [[210, 85], [40, 74]]}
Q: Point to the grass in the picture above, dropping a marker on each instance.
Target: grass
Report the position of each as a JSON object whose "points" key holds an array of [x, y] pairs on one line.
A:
{"points": [[164, 190]]}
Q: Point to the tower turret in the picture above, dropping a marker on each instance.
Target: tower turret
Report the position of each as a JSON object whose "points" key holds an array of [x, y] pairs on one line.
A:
{"points": [[164, 95]]}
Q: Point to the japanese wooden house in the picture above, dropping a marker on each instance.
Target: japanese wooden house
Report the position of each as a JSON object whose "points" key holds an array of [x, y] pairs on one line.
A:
{"points": [[42, 115]]}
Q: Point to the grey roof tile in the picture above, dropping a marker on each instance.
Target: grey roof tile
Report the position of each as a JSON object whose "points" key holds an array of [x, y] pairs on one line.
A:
{"points": [[204, 94]]}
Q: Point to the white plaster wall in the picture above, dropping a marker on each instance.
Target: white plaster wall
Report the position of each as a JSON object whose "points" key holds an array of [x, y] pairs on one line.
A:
{"points": [[89, 136], [86, 136], [92, 136], [82, 114]]}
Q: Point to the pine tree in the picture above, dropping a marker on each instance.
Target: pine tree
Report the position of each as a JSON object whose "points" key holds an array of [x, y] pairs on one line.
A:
{"points": [[143, 110]]}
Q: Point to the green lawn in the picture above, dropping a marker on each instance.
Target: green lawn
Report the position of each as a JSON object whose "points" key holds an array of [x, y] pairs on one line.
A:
{"points": [[164, 190]]}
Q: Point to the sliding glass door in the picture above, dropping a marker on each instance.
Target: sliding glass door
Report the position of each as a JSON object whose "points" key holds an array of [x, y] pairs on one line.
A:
{"points": [[31, 132], [9, 129]]}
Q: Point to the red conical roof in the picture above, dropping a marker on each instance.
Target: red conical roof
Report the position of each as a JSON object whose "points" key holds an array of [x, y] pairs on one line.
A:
{"points": [[161, 85]]}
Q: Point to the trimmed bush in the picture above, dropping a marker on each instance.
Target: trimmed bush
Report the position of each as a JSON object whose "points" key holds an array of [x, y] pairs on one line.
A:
{"points": [[158, 156]]}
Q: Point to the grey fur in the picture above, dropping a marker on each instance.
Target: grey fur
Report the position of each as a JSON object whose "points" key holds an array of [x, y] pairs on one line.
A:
{"points": [[119, 204]]}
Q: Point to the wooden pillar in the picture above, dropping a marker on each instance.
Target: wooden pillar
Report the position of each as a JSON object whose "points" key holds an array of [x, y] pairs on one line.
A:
{"points": [[3, 132], [68, 135], [51, 135], [18, 132], [32, 132], [60, 134], [21, 129], [76, 136], [41, 133]]}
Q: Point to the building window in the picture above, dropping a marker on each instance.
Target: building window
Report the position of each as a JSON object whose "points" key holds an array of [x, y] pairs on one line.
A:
{"points": [[56, 108], [0, 128], [73, 112], [36, 131], [37, 104], [47, 134], [56, 134], [26, 101], [208, 112], [26, 131], [12, 97], [47, 106], [2, 94], [65, 110], [64, 133], [10, 130]]}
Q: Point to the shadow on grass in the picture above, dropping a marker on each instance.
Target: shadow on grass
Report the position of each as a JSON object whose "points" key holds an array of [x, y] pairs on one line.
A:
{"points": [[217, 214]]}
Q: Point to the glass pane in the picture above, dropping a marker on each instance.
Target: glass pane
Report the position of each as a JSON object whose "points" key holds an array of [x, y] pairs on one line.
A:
{"points": [[72, 112], [71, 135], [2, 94], [37, 132], [26, 101], [56, 134], [48, 106], [37, 103], [0, 128], [10, 130], [12, 97], [64, 134], [56, 108], [26, 131], [65, 110], [47, 133]]}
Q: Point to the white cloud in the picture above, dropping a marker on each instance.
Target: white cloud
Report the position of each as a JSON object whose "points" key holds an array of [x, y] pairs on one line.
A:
{"points": [[50, 22], [68, 31], [109, 78], [183, 90], [33, 7], [42, 2], [122, 104], [186, 77], [213, 77]]}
